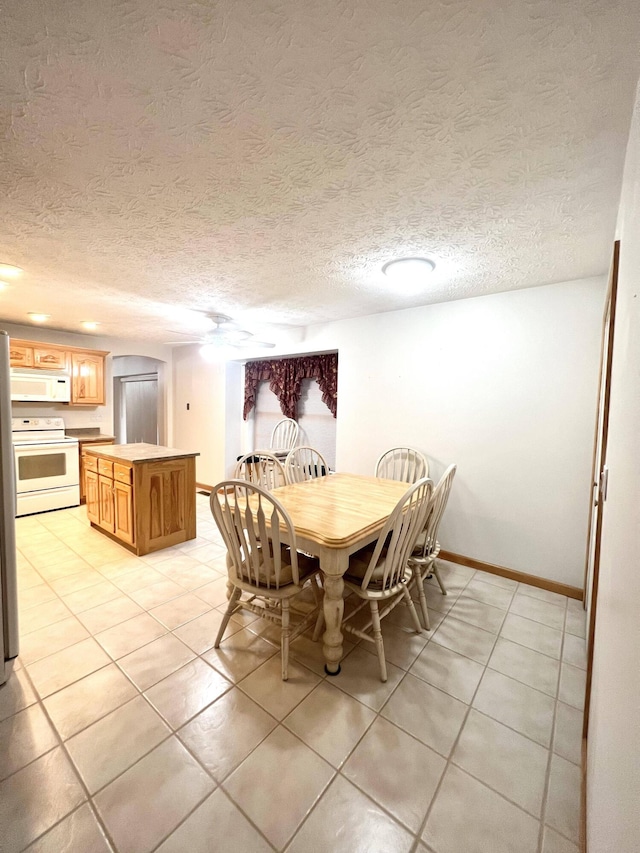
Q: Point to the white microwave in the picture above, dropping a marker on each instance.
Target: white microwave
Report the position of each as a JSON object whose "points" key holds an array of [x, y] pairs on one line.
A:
{"points": [[40, 386]]}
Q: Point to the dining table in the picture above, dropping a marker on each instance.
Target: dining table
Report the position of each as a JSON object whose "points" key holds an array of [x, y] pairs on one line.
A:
{"points": [[333, 517]]}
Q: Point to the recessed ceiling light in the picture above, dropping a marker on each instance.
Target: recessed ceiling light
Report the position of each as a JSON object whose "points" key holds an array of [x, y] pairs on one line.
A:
{"points": [[90, 325], [9, 271], [409, 270], [39, 318]]}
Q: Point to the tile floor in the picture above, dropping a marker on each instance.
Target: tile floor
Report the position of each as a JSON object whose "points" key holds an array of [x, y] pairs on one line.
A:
{"points": [[122, 729]]}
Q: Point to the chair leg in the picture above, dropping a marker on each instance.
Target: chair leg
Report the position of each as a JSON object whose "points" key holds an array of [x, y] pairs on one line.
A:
{"points": [[436, 572], [412, 607], [377, 636], [423, 599], [235, 595], [317, 591], [284, 639]]}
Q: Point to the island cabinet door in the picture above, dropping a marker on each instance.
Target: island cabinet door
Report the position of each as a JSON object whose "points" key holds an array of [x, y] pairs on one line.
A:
{"points": [[105, 503], [123, 504], [93, 499], [165, 496]]}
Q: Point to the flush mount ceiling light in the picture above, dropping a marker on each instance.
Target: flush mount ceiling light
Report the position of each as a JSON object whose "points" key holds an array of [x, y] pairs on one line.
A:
{"points": [[9, 271], [89, 325], [38, 318], [412, 271]]}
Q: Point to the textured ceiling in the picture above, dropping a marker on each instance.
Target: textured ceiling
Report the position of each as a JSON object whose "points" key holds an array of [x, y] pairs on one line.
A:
{"points": [[264, 159]]}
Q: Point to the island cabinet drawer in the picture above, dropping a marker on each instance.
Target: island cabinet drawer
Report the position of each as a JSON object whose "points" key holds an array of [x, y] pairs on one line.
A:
{"points": [[89, 463], [122, 473], [105, 468]]}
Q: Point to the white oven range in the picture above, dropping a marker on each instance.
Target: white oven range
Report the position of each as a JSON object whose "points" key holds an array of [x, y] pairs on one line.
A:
{"points": [[47, 468]]}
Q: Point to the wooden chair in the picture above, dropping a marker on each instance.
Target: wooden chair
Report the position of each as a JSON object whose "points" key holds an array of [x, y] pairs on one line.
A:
{"points": [[250, 521], [284, 435], [423, 559], [262, 469], [402, 463], [304, 463], [380, 574]]}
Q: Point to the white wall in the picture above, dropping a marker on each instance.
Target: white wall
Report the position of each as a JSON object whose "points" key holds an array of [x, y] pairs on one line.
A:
{"points": [[200, 385], [94, 416], [613, 768], [505, 386]]}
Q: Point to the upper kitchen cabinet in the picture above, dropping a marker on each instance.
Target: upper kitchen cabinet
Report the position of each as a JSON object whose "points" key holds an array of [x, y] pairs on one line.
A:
{"points": [[86, 367], [87, 378], [20, 355], [50, 358]]}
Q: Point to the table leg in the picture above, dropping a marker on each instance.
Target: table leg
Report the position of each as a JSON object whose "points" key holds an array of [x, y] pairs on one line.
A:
{"points": [[333, 609]]}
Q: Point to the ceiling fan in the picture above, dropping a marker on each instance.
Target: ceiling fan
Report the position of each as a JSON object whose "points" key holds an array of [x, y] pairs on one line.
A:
{"points": [[224, 334]]}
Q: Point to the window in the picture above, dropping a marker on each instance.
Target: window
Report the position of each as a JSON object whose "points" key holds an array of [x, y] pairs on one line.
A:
{"points": [[317, 424], [305, 388]]}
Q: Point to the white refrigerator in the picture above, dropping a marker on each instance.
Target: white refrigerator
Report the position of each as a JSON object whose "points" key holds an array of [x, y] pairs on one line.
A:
{"points": [[8, 577]]}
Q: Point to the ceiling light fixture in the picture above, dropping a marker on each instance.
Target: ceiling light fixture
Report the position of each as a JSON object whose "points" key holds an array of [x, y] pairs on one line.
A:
{"points": [[409, 271], [38, 318], [9, 271], [89, 325]]}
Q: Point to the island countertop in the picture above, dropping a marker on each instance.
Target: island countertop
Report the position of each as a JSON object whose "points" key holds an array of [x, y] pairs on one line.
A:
{"points": [[141, 452]]}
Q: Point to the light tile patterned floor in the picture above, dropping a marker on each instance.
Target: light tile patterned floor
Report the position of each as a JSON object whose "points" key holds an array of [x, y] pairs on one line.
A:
{"points": [[122, 729]]}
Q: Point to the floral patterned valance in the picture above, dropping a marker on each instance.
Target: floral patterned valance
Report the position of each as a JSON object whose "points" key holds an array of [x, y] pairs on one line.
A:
{"points": [[285, 377]]}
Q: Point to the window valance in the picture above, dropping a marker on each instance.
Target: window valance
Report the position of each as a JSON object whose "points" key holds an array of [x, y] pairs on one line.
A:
{"points": [[285, 377]]}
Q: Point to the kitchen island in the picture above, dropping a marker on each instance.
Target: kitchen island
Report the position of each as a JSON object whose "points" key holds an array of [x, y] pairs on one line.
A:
{"points": [[141, 495]]}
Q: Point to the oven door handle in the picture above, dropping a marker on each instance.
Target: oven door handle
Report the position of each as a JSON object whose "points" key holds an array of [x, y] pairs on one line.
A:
{"points": [[52, 445]]}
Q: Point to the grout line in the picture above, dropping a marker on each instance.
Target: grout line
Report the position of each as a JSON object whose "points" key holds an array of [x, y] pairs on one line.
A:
{"points": [[74, 770], [378, 713], [425, 820], [547, 780]]}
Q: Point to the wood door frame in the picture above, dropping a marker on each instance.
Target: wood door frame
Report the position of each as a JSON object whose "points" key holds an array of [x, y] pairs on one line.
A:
{"points": [[604, 398]]}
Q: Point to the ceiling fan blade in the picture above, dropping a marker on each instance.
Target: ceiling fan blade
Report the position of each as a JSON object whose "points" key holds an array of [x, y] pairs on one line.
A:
{"points": [[250, 343], [185, 334], [183, 343]]}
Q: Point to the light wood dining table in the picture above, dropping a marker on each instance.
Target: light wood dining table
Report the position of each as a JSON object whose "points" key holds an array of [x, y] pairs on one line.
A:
{"points": [[333, 517]]}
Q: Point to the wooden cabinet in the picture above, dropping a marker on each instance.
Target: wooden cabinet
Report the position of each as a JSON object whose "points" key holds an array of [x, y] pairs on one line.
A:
{"points": [[87, 367], [123, 505], [20, 355], [145, 504], [92, 496], [109, 502], [89, 463], [87, 379], [50, 359], [106, 513]]}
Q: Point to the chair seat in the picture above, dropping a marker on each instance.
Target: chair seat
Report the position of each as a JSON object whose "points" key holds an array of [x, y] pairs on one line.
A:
{"points": [[359, 563], [419, 547], [306, 567]]}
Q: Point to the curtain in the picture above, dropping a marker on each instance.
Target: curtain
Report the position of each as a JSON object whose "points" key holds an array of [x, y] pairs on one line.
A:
{"points": [[285, 377]]}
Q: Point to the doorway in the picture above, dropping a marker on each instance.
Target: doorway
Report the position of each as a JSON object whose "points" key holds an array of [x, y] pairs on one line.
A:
{"points": [[139, 399], [139, 408], [599, 474]]}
